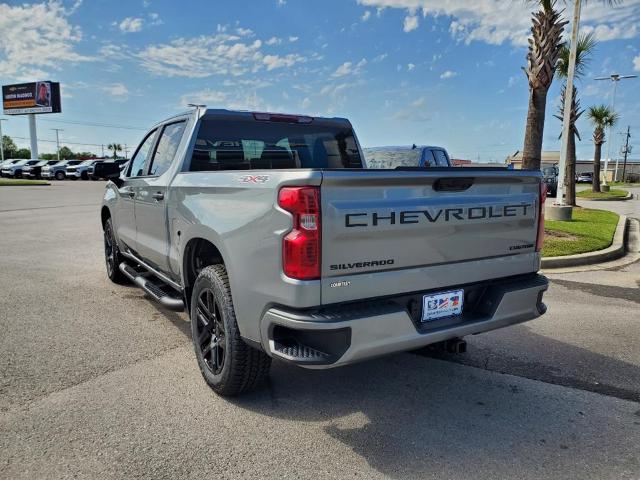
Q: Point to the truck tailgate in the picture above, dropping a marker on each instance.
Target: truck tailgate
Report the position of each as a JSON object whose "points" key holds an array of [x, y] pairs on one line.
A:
{"points": [[390, 232]]}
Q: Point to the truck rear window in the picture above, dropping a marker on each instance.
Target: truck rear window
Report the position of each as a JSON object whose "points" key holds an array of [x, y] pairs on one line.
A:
{"points": [[255, 145]]}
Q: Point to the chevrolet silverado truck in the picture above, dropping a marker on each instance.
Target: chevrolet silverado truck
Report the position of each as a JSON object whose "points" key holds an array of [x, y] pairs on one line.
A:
{"points": [[413, 156], [267, 229]]}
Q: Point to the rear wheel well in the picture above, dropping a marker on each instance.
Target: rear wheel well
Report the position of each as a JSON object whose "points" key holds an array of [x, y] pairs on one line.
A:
{"points": [[198, 254], [105, 214]]}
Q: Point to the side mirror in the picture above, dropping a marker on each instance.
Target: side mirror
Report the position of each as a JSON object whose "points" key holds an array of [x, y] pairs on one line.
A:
{"points": [[109, 171]]}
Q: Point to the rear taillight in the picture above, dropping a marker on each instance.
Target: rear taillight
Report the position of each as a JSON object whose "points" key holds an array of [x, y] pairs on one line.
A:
{"points": [[301, 246], [543, 198]]}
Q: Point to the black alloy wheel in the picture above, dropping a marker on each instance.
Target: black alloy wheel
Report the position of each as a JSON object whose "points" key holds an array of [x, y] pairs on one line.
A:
{"points": [[210, 331], [112, 255]]}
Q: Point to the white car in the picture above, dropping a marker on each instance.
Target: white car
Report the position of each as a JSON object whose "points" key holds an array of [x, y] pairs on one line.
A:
{"points": [[15, 170]]}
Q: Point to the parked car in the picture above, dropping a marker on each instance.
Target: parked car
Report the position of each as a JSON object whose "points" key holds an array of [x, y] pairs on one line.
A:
{"points": [[270, 232], [550, 177], [58, 170], [95, 170], [585, 177], [81, 170], [35, 171], [412, 156], [15, 170], [10, 161]]}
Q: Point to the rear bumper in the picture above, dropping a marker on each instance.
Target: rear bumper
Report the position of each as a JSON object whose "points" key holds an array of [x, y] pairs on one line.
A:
{"points": [[341, 335]]}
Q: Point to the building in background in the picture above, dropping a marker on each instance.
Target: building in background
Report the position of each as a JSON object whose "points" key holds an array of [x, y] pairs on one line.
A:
{"points": [[551, 158]]}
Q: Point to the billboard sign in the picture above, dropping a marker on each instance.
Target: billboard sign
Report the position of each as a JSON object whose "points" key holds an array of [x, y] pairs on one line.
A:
{"points": [[33, 97]]}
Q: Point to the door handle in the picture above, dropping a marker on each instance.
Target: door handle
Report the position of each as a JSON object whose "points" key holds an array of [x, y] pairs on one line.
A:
{"points": [[158, 196], [130, 193]]}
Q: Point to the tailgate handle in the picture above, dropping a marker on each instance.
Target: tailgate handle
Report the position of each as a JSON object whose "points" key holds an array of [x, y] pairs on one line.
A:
{"points": [[453, 184]]}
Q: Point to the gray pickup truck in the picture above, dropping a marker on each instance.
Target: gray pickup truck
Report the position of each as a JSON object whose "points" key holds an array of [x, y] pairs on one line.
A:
{"points": [[267, 229]]}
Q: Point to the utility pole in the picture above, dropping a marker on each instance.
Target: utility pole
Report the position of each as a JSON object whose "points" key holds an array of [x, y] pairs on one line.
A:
{"points": [[615, 78], [1, 142], [626, 152], [58, 141], [103, 150]]}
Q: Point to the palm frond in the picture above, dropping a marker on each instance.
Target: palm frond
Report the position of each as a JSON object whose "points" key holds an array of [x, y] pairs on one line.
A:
{"points": [[585, 47]]}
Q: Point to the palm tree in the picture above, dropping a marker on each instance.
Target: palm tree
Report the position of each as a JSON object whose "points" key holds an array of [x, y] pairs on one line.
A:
{"points": [[602, 117], [544, 48], [584, 48], [115, 147]]}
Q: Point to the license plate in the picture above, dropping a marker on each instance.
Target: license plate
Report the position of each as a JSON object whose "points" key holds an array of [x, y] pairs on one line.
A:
{"points": [[443, 304]]}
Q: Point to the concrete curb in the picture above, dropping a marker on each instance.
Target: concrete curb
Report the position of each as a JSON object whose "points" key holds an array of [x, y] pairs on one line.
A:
{"points": [[616, 250], [619, 199]]}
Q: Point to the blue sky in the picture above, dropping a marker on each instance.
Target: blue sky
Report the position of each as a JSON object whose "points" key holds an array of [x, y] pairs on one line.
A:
{"points": [[403, 71]]}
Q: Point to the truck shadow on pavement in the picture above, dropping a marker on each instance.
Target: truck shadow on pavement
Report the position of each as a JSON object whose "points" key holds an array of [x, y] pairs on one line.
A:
{"points": [[408, 417]]}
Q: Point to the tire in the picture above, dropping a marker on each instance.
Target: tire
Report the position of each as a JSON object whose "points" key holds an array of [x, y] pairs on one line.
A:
{"points": [[84, 176], [228, 365], [60, 175], [112, 256], [18, 174]]}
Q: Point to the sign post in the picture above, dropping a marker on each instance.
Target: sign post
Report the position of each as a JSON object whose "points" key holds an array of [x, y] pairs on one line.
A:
{"points": [[31, 99]]}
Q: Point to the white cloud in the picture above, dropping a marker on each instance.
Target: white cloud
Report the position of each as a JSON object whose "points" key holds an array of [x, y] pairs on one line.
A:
{"points": [[35, 38], [636, 63], [448, 74], [293, 39], [131, 24], [349, 68], [380, 57], [366, 15], [275, 61], [155, 19], [510, 22], [233, 100], [410, 66], [410, 23], [117, 90], [414, 111], [306, 103], [203, 56], [244, 32], [342, 70], [281, 3], [273, 41]]}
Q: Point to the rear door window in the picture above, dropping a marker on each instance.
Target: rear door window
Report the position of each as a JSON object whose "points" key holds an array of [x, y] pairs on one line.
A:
{"points": [[140, 157], [167, 148], [255, 145]]}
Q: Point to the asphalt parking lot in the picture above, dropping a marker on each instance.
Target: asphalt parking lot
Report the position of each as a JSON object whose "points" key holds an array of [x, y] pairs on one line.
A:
{"points": [[96, 381]]}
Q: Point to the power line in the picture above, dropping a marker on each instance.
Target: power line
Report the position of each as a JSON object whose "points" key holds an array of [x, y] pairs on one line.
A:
{"points": [[95, 124], [53, 141]]}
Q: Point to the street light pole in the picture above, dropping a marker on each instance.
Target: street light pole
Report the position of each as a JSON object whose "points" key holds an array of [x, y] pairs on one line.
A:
{"points": [[615, 78], [568, 95], [58, 141], [1, 142]]}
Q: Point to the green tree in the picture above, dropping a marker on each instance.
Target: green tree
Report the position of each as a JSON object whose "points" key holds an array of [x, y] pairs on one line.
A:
{"points": [[85, 155], [8, 147], [115, 148], [66, 153], [23, 153], [602, 117], [544, 48], [584, 49]]}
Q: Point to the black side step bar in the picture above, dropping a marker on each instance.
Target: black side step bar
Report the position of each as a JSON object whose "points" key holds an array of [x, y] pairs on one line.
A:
{"points": [[152, 289]]}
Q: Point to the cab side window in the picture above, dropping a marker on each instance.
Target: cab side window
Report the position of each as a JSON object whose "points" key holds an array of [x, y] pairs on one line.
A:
{"points": [[167, 148], [140, 158]]}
